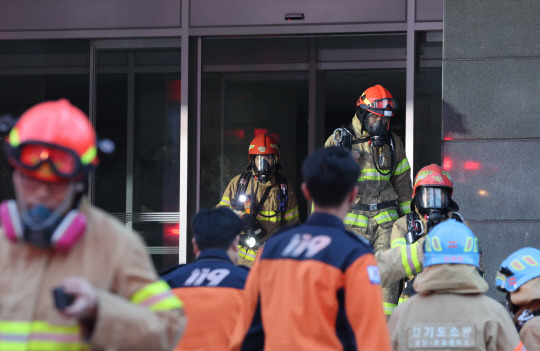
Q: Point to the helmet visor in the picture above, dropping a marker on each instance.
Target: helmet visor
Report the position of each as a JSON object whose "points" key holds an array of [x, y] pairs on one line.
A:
{"points": [[429, 197], [63, 162]]}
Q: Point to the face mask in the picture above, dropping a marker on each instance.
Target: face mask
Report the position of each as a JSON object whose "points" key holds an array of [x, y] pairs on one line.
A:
{"points": [[263, 168], [432, 198], [39, 224], [378, 141], [378, 128], [434, 217]]}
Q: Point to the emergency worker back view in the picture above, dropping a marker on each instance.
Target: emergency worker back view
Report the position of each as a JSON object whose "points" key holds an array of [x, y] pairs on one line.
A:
{"points": [[450, 310]]}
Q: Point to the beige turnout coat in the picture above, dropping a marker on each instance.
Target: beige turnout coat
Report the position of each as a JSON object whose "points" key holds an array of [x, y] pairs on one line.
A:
{"points": [[451, 311], [136, 311]]}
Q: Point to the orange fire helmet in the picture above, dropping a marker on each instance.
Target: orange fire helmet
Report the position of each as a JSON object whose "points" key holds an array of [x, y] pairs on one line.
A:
{"points": [[434, 176], [53, 141], [263, 144], [377, 100]]}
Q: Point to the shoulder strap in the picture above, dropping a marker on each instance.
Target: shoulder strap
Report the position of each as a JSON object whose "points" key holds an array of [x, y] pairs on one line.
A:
{"points": [[410, 220], [258, 208]]}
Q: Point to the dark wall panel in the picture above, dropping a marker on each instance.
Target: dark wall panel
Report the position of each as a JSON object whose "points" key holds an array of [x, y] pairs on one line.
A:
{"points": [[429, 10], [84, 14], [491, 28], [491, 99], [491, 76], [495, 180], [210, 13]]}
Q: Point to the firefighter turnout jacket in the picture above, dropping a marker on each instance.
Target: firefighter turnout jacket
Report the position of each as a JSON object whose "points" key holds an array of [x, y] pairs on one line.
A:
{"points": [[212, 289], [136, 311], [379, 196], [376, 188], [318, 286], [269, 216], [451, 311]]}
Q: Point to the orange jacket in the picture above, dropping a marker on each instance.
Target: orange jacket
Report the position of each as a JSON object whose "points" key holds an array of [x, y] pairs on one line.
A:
{"points": [[319, 289], [212, 289]]}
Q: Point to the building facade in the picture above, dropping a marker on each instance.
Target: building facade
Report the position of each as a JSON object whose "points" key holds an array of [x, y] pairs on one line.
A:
{"points": [[182, 86]]}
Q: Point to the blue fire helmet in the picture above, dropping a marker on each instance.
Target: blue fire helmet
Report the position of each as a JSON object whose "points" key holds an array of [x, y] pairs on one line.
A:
{"points": [[518, 268], [451, 242]]}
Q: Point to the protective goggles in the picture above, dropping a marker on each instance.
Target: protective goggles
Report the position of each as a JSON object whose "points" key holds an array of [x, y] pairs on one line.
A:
{"points": [[432, 198], [62, 161], [384, 106]]}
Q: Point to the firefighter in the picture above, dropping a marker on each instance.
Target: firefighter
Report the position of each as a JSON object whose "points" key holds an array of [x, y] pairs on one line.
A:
{"points": [[450, 310], [519, 278], [431, 204], [262, 197], [107, 292], [384, 179]]}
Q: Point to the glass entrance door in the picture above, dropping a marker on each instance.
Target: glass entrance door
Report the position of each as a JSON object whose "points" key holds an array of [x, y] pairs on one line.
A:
{"points": [[243, 106], [136, 104]]}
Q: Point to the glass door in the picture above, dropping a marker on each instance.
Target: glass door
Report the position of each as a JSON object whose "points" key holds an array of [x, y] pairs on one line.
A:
{"points": [[136, 104]]}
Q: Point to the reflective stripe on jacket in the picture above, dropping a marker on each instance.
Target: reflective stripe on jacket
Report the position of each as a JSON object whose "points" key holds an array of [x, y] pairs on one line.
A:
{"points": [[376, 187], [116, 263], [272, 222]]}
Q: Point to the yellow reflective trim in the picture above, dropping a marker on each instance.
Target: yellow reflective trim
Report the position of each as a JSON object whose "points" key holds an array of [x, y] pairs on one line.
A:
{"points": [[404, 262], [247, 254], [372, 174], [14, 139], [40, 335], [388, 308], [356, 220], [403, 166], [157, 296], [414, 257], [402, 300], [291, 214], [274, 218], [398, 242], [225, 201], [89, 155], [405, 207], [386, 216]]}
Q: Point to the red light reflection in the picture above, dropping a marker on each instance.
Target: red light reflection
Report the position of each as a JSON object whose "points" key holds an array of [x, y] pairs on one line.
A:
{"points": [[174, 90], [447, 163], [235, 133], [171, 229], [472, 166]]}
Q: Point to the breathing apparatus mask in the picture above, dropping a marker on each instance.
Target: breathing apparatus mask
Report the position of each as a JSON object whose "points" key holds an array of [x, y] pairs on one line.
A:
{"points": [[432, 202], [263, 166], [377, 127]]}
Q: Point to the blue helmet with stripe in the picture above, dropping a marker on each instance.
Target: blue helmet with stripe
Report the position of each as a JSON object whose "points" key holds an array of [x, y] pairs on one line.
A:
{"points": [[518, 268], [451, 242]]}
